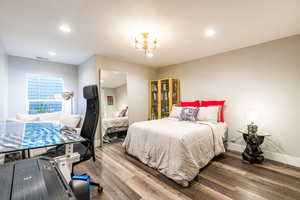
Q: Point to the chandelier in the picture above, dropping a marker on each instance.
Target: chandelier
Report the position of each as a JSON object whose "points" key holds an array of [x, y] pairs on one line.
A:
{"points": [[146, 43]]}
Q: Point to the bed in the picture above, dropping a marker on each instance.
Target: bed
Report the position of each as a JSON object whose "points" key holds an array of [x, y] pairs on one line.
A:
{"points": [[177, 149], [113, 125]]}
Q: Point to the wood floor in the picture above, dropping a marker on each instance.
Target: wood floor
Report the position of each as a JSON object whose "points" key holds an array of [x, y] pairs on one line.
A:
{"points": [[226, 177]]}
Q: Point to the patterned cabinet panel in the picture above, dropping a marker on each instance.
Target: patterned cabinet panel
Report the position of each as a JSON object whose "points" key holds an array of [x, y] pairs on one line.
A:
{"points": [[163, 94], [153, 88]]}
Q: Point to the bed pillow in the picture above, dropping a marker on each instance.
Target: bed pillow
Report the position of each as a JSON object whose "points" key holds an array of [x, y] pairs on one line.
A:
{"points": [[190, 104], [215, 103], [122, 113], [210, 113], [176, 111], [188, 114]]}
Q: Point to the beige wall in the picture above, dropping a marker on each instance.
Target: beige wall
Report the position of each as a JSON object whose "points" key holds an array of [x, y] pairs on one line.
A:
{"points": [[87, 75], [3, 83], [265, 78], [138, 77], [137, 84]]}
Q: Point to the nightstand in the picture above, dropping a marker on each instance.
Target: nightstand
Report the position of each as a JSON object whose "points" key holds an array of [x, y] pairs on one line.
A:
{"points": [[253, 152]]}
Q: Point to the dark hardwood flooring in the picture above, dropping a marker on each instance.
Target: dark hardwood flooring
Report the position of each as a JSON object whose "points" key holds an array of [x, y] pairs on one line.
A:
{"points": [[226, 177]]}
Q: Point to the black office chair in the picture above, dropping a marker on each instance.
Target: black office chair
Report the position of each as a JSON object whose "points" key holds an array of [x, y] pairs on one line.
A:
{"points": [[85, 149]]}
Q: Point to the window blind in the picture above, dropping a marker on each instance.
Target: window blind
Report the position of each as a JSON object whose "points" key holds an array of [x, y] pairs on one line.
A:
{"points": [[41, 91]]}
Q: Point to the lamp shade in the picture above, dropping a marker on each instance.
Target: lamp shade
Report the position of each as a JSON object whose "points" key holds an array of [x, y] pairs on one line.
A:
{"points": [[67, 95], [252, 116]]}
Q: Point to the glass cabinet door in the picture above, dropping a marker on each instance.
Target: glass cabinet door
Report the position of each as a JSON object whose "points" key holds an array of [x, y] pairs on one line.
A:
{"points": [[175, 92], [165, 89], [154, 100], [164, 94]]}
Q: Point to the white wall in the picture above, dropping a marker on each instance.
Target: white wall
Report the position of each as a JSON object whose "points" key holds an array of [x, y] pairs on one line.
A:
{"points": [[109, 110], [87, 75], [3, 83], [264, 77], [18, 67], [121, 97]]}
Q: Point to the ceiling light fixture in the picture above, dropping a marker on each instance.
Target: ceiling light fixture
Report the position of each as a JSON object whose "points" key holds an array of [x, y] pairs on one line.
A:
{"points": [[210, 33], [150, 54], [51, 53], [146, 43], [65, 28]]}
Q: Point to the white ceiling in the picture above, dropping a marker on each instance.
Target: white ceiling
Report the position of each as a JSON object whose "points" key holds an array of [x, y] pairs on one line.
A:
{"points": [[29, 28], [112, 79]]}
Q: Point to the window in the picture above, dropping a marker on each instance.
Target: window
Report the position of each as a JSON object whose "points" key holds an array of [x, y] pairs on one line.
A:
{"points": [[41, 92]]}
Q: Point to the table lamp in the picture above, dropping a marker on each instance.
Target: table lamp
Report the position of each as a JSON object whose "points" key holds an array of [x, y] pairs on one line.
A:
{"points": [[66, 96], [252, 127]]}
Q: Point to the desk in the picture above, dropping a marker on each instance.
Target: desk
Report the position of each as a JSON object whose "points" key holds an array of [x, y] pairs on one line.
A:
{"points": [[33, 179], [17, 136]]}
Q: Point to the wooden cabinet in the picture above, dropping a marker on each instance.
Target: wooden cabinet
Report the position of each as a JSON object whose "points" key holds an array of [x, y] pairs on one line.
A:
{"points": [[163, 94]]}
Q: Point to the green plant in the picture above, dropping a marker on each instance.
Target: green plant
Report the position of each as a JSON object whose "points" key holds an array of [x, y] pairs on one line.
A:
{"points": [[42, 108]]}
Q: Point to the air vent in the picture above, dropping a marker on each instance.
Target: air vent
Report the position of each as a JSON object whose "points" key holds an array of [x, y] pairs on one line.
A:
{"points": [[41, 58]]}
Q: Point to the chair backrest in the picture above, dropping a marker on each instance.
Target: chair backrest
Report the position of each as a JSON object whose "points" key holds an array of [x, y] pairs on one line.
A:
{"points": [[88, 130]]}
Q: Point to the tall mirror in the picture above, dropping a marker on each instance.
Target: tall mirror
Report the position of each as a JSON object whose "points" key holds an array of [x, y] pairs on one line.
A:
{"points": [[114, 105]]}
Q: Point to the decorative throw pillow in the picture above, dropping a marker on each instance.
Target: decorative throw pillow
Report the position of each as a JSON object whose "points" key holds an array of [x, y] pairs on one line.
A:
{"points": [[190, 104], [188, 114], [122, 113], [210, 113], [176, 111]]}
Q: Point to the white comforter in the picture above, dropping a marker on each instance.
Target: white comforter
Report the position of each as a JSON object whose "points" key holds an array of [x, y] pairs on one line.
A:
{"points": [[178, 149], [114, 122]]}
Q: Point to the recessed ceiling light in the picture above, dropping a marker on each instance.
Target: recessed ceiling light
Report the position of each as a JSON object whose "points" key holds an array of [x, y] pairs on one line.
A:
{"points": [[51, 53], [65, 28], [210, 32]]}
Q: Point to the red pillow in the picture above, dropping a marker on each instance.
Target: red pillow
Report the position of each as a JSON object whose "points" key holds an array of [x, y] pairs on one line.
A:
{"points": [[190, 104], [215, 103]]}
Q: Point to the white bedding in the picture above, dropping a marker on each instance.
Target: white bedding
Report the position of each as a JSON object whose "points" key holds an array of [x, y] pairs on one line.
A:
{"points": [[178, 149], [114, 122]]}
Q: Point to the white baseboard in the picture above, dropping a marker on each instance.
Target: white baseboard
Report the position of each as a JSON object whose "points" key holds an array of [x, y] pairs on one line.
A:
{"points": [[279, 157]]}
